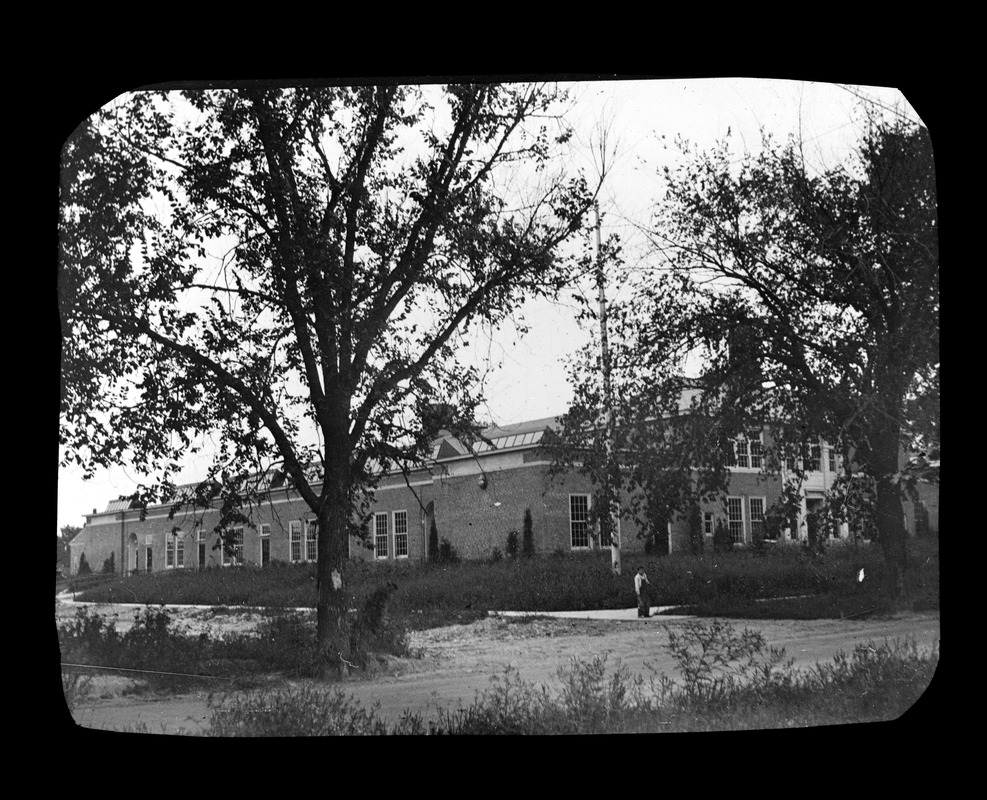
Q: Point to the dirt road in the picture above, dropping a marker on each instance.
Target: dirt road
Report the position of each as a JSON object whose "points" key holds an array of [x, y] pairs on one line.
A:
{"points": [[456, 663]]}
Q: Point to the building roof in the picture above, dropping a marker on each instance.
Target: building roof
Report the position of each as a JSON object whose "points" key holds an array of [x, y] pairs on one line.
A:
{"points": [[492, 438]]}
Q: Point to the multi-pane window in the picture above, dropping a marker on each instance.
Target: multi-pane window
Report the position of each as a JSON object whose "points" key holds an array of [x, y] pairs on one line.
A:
{"points": [[233, 549], [295, 539], [708, 523], [735, 519], [748, 452], [380, 535], [200, 539], [757, 452], [832, 459], [812, 458], [265, 544], [311, 540], [400, 534], [175, 551], [757, 518], [579, 520]]}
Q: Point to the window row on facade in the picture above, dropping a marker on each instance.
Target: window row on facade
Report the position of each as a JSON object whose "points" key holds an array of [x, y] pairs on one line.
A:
{"points": [[748, 453], [390, 541]]}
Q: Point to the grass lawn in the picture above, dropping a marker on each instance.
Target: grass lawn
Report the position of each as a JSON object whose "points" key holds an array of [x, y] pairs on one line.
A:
{"points": [[782, 583]]}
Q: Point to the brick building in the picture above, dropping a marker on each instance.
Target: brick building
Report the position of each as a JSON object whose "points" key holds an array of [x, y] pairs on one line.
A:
{"points": [[475, 496]]}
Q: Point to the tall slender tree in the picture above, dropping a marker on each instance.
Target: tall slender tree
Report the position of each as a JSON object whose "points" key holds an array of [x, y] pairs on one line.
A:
{"points": [[290, 271]]}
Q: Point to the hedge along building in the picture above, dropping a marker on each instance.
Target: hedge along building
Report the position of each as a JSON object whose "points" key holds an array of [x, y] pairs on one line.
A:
{"points": [[476, 496]]}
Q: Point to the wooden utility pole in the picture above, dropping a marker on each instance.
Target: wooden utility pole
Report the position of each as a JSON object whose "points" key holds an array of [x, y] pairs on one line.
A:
{"points": [[607, 516]]}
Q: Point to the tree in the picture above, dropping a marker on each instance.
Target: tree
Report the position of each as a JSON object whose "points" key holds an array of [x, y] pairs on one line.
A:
{"points": [[433, 542], [813, 297], [361, 233], [66, 534], [527, 536]]}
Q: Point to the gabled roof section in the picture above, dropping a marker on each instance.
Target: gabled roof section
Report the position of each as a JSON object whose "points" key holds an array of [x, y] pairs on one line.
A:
{"points": [[494, 438]]}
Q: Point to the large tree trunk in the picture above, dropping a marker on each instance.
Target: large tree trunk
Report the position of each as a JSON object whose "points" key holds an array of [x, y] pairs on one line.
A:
{"points": [[889, 512], [333, 634]]}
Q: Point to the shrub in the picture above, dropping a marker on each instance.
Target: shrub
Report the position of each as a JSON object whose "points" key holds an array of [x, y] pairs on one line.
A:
{"points": [[84, 568], [372, 632], [447, 553], [496, 556], [108, 566], [433, 542], [512, 544], [527, 536], [303, 712], [714, 659], [722, 540], [76, 688]]}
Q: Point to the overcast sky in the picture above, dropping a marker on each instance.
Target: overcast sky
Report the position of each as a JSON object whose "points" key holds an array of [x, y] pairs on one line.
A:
{"points": [[526, 376]]}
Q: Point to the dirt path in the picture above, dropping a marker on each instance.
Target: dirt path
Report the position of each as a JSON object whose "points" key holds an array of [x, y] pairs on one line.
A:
{"points": [[457, 662]]}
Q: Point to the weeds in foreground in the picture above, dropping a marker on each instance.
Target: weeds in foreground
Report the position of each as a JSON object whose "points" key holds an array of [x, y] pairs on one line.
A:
{"points": [[729, 680], [76, 687]]}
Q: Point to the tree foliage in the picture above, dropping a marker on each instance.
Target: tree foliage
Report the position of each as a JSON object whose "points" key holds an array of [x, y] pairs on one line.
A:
{"points": [[65, 535], [288, 273], [812, 298]]}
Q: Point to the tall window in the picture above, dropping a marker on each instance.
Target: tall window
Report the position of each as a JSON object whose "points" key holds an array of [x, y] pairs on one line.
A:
{"points": [[708, 523], [757, 451], [735, 518], [579, 520], [757, 519], [175, 551], [200, 539], [812, 458], [233, 548], [265, 544], [380, 535], [400, 534], [295, 539], [311, 540], [832, 459]]}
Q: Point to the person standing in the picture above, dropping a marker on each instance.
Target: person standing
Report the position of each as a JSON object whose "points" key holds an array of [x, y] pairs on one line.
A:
{"points": [[642, 587]]}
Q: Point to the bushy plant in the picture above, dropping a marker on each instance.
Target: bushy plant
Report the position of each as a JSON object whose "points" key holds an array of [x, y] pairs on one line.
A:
{"points": [[108, 566], [527, 536], [433, 542], [76, 688], [307, 711], [713, 658], [722, 540], [512, 544], [84, 568], [372, 632], [495, 555], [447, 553]]}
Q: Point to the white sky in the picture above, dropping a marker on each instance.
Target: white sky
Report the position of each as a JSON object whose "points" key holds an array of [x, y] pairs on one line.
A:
{"points": [[527, 377]]}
